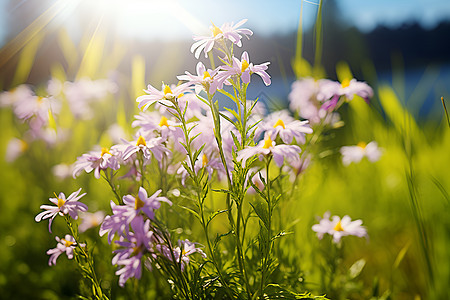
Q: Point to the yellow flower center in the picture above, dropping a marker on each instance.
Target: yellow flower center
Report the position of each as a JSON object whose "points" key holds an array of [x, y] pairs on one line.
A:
{"points": [[216, 30], [167, 90], [137, 250], [267, 142], [39, 99], [138, 203], [244, 66], [67, 243], [23, 145], [105, 151], [338, 226], [180, 95], [141, 141], [60, 201], [163, 122], [361, 145], [206, 75], [183, 252], [204, 160], [345, 83], [279, 123]]}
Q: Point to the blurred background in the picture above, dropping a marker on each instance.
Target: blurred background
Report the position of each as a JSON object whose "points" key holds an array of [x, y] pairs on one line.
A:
{"points": [[399, 42], [401, 48]]}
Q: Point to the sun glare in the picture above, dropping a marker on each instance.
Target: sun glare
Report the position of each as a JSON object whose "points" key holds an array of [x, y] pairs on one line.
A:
{"points": [[153, 19]]}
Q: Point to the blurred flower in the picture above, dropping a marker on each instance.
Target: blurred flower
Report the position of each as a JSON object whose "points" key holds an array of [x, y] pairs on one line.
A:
{"points": [[266, 147], [19, 93], [356, 153], [70, 206], [96, 161], [338, 227], [243, 68], [116, 133], [14, 149], [62, 171], [133, 247], [297, 167], [67, 245], [181, 253], [165, 96], [90, 220], [226, 31], [281, 123]]}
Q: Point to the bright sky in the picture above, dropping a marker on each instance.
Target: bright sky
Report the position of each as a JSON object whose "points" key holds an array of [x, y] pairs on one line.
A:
{"points": [[172, 19]]}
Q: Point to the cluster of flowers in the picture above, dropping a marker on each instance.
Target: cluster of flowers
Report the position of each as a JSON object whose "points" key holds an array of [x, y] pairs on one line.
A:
{"points": [[136, 213], [160, 139], [40, 112]]}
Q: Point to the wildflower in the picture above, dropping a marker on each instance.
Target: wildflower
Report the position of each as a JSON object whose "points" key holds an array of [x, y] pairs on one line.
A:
{"points": [[146, 147], [151, 122], [62, 171], [356, 153], [91, 220], [19, 93], [226, 31], [123, 215], [282, 124], [96, 161], [133, 247], [70, 206], [204, 80], [338, 227], [243, 68], [165, 96], [67, 245], [352, 87], [206, 161], [268, 147], [181, 253]]}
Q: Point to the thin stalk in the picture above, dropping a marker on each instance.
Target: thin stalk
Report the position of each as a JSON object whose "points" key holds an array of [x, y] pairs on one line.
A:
{"points": [[318, 50], [446, 112]]}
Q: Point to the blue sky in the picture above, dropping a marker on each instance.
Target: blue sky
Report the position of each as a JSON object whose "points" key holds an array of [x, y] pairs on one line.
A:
{"points": [[172, 19]]}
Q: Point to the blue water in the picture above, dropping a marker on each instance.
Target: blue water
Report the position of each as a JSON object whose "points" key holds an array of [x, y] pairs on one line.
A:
{"points": [[419, 89]]}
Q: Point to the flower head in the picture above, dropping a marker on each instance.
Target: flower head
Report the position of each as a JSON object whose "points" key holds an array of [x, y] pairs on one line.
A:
{"points": [[338, 227], [204, 80], [96, 161], [165, 96], [67, 245], [227, 31], [64, 206], [90, 220], [268, 147]]}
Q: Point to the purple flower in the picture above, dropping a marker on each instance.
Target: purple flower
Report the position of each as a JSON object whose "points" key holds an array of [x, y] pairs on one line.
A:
{"points": [[349, 88], [282, 124], [338, 227], [70, 206], [268, 147], [180, 253], [133, 247], [153, 145], [123, 215], [204, 80], [226, 31], [243, 68], [67, 245], [165, 96], [96, 161]]}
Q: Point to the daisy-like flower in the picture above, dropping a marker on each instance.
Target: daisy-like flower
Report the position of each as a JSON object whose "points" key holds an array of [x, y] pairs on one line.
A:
{"points": [[227, 31], [282, 124], [133, 247], [356, 153], [204, 80], [338, 227], [243, 68], [19, 93], [352, 87], [96, 161], [165, 96], [151, 122], [210, 164], [123, 215], [91, 220], [153, 145], [64, 206], [181, 253], [268, 147], [65, 245]]}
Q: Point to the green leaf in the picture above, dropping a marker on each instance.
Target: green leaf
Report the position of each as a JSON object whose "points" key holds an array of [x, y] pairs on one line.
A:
{"points": [[261, 210]]}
